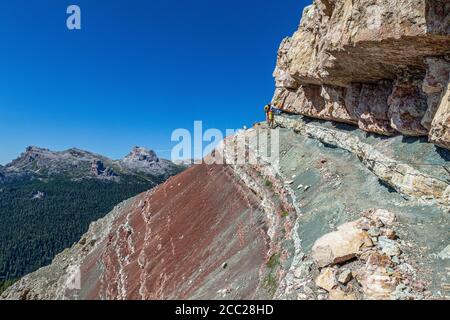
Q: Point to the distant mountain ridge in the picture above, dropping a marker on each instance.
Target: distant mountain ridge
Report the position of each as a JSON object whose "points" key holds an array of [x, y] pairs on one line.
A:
{"points": [[80, 164], [49, 198]]}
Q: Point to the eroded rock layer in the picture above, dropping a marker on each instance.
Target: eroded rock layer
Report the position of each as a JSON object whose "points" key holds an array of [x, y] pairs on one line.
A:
{"points": [[339, 215], [199, 235], [381, 65]]}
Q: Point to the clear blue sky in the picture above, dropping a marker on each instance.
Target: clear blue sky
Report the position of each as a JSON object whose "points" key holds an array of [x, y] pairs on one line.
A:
{"points": [[136, 71]]}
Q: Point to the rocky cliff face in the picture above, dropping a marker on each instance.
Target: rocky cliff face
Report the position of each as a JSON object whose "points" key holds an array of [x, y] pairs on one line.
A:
{"points": [[341, 215], [381, 65]]}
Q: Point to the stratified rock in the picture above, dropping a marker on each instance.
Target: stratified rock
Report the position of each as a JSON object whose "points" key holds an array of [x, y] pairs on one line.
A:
{"points": [[400, 175], [380, 65], [341, 245], [323, 102], [363, 41]]}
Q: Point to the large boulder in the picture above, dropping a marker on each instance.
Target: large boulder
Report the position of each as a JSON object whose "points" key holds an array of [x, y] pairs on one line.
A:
{"points": [[340, 246]]}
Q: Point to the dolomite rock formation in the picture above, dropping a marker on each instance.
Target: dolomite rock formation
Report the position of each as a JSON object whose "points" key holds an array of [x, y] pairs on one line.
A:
{"points": [[269, 229], [340, 215], [382, 65]]}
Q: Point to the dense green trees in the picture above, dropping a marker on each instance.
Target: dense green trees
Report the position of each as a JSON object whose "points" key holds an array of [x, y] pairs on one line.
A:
{"points": [[5, 284], [33, 231]]}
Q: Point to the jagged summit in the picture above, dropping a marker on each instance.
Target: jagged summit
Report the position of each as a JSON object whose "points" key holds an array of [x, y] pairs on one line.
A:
{"points": [[145, 160], [141, 154], [36, 160]]}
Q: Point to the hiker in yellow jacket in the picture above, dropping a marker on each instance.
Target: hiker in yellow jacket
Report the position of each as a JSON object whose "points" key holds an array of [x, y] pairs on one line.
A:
{"points": [[271, 117], [269, 110]]}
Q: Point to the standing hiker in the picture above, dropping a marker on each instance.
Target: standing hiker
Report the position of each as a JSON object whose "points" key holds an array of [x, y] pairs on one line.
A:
{"points": [[271, 118]]}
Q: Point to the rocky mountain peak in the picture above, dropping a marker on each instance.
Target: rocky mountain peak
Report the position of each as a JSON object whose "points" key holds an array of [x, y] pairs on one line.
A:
{"points": [[31, 154], [141, 154], [80, 164], [45, 157]]}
